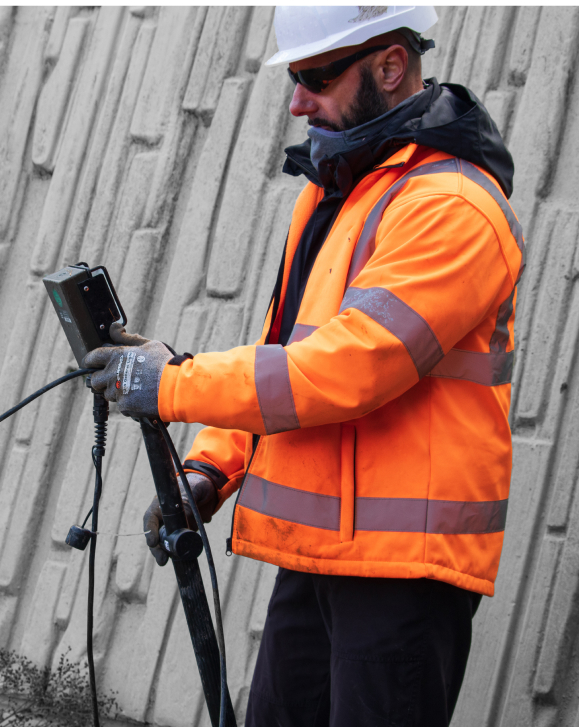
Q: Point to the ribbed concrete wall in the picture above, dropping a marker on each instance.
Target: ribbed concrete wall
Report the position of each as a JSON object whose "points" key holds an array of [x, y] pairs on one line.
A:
{"points": [[152, 141]]}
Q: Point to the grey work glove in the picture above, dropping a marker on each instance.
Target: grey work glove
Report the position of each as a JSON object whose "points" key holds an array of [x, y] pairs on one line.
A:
{"points": [[132, 372], [205, 495]]}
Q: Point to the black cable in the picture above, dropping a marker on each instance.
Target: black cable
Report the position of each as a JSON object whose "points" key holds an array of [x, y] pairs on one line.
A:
{"points": [[89, 513], [100, 411], [212, 571], [100, 414], [48, 387], [90, 607]]}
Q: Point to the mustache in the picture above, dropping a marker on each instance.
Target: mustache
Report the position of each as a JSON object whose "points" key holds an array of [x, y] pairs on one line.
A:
{"points": [[319, 121]]}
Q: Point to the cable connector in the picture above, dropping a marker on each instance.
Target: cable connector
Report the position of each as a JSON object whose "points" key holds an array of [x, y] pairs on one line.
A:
{"points": [[182, 544], [100, 408], [100, 413], [78, 537]]}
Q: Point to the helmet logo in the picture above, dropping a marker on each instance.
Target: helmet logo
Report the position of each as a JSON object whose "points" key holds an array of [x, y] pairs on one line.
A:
{"points": [[367, 12]]}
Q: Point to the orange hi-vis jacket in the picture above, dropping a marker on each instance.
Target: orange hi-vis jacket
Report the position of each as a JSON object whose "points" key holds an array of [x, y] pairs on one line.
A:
{"points": [[385, 448]]}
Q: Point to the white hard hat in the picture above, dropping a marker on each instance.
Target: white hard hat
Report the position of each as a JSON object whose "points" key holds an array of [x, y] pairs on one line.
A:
{"points": [[304, 31]]}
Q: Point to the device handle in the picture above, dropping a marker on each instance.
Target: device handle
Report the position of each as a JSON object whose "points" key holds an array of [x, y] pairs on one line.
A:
{"points": [[188, 575]]}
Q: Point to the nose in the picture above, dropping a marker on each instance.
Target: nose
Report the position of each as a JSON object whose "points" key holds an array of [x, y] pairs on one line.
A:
{"points": [[304, 102]]}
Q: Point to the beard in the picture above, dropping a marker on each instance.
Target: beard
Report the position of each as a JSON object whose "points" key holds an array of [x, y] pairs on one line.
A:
{"points": [[368, 104]]}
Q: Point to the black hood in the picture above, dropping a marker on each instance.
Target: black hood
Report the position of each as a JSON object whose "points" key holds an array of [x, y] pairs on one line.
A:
{"points": [[446, 117]]}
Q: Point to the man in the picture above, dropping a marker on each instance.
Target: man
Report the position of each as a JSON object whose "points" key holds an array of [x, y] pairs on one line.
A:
{"points": [[366, 434]]}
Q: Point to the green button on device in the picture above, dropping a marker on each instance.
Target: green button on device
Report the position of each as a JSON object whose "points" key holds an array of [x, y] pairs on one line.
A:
{"points": [[57, 297]]}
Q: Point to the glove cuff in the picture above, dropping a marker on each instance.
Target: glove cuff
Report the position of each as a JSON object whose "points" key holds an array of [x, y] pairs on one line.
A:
{"points": [[177, 359], [211, 472]]}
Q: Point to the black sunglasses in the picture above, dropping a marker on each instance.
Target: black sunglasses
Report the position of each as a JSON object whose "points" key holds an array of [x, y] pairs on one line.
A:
{"points": [[316, 79]]}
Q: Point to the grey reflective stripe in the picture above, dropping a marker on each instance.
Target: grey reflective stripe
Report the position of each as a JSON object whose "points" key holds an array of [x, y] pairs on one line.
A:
{"points": [[274, 392], [401, 320], [378, 514], [301, 331], [287, 503], [468, 518], [450, 517], [500, 337], [366, 244], [391, 514], [476, 176], [488, 369], [496, 367], [523, 265]]}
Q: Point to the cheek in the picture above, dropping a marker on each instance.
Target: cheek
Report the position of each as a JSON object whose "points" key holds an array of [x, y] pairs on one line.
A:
{"points": [[336, 108], [343, 94], [328, 109], [333, 105]]}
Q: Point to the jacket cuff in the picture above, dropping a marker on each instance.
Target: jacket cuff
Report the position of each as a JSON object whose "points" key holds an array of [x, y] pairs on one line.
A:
{"points": [[217, 477], [224, 487], [167, 393]]}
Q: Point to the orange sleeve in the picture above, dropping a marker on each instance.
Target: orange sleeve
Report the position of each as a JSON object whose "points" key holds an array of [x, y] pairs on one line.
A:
{"points": [[437, 270], [220, 454]]}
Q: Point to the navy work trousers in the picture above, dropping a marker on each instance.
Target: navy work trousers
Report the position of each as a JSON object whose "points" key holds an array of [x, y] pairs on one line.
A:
{"points": [[343, 651]]}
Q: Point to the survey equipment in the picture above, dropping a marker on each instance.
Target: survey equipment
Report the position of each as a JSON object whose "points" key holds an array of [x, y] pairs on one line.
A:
{"points": [[86, 303]]}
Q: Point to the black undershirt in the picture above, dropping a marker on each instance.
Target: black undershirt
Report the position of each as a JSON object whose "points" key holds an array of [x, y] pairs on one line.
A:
{"points": [[311, 242], [338, 176]]}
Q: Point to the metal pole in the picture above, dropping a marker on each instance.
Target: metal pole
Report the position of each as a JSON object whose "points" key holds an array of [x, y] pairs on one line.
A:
{"points": [[188, 575]]}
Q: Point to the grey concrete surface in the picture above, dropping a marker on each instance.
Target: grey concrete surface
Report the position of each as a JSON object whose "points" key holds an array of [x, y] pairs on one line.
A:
{"points": [[151, 140]]}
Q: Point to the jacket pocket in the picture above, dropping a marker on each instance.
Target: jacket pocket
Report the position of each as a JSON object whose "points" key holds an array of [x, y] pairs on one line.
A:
{"points": [[347, 464]]}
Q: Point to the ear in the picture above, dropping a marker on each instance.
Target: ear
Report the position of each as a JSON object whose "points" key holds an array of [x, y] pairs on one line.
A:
{"points": [[390, 68]]}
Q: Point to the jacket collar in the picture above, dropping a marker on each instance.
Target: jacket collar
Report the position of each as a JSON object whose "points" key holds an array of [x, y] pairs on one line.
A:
{"points": [[378, 142], [449, 118], [339, 174]]}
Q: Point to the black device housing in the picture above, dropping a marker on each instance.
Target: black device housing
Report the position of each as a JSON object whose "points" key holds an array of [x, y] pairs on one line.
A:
{"points": [[86, 303]]}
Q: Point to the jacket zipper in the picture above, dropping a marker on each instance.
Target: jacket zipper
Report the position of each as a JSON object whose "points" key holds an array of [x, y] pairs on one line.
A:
{"points": [[229, 540]]}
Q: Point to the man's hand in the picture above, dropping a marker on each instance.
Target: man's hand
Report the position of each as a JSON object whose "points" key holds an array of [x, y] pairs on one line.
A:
{"points": [[132, 372], [205, 495]]}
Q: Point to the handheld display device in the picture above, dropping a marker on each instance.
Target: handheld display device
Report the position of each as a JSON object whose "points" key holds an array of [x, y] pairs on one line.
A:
{"points": [[86, 303]]}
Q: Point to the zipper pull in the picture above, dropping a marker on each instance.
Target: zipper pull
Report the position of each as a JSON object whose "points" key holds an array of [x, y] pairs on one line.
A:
{"points": [[228, 546]]}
